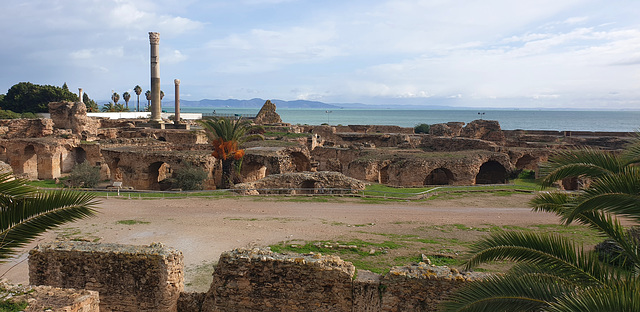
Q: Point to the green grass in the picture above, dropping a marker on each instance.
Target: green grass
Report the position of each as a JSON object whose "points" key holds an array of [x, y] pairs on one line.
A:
{"points": [[46, 183], [132, 222], [10, 306]]}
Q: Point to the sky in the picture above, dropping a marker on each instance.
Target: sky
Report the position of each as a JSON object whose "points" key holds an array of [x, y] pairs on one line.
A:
{"points": [[579, 54]]}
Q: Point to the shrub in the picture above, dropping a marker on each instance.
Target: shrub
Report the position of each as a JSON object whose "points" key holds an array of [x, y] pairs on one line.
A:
{"points": [[84, 175], [527, 175], [189, 178], [422, 128], [7, 114]]}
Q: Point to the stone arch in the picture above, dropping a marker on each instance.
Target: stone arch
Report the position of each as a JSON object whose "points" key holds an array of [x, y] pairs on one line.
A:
{"points": [[253, 171], [383, 176], [162, 139], [491, 172], [526, 162], [301, 161], [30, 161], [79, 155], [439, 176], [159, 172], [308, 187]]}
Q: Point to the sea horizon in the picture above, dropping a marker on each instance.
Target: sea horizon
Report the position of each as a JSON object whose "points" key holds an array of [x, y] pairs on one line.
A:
{"points": [[509, 119]]}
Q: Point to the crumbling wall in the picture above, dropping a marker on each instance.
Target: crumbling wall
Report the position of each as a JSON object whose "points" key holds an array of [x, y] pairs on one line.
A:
{"points": [[73, 116], [301, 183], [25, 128], [267, 114], [51, 299], [128, 278]]}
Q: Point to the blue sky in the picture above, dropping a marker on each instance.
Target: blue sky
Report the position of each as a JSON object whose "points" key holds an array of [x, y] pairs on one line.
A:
{"points": [[491, 53]]}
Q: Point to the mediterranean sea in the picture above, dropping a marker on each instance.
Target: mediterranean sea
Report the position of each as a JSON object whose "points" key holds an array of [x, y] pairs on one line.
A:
{"points": [[619, 121]]}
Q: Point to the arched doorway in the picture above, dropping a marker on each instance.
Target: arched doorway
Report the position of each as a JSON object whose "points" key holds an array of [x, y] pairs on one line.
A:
{"points": [[253, 171], [159, 173], [308, 187], [301, 162], [79, 155], [491, 172], [526, 162], [383, 176], [439, 176], [30, 161]]}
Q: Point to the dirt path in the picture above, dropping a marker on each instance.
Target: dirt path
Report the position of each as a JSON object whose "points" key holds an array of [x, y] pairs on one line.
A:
{"points": [[202, 228]]}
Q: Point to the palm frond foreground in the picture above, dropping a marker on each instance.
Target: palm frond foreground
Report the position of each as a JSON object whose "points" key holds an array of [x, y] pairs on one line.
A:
{"points": [[553, 273], [26, 213]]}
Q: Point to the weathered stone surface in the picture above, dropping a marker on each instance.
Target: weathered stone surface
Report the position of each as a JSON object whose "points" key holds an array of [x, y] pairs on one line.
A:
{"points": [[421, 287], [73, 115], [439, 144], [323, 182], [450, 129], [47, 298], [488, 130], [267, 114], [26, 128], [128, 278], [260, 280]]}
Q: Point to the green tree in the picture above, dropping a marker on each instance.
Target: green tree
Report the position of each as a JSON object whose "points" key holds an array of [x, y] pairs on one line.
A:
{"points": [[109, 107], [189, 178], [120, 108], [126, 96], [226, 135], [28, 97], [138, 90], [84, 175], [148, 96], [26, 212], [115, 97], [553, 273], [91, 105], [421, 128]]}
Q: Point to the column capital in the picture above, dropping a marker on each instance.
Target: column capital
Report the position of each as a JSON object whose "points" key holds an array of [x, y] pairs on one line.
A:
{"points": [[154, 37], [176, 81]]}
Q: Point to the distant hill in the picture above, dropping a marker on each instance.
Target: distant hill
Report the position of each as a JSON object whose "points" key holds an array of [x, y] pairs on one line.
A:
{"points": [[255, 103]]}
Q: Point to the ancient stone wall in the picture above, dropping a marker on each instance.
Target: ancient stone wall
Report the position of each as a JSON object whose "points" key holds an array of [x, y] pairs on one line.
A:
{"points": [[51, 299], [267, 114], [25, 128], [128, 278], [73, 116], [301, 183]]}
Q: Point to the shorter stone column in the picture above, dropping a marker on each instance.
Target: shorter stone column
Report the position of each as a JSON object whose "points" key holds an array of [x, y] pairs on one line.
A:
{"points": [[80, 94], [176, 116]]}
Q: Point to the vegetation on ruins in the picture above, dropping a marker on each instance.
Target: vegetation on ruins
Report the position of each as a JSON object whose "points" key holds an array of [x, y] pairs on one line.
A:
{"points": [[226, 135], [84, 175], [553, 272], [7, 114], [189, 178], [422, 128], [91, 105], [138, 90], [26, 212], [28, 97]]}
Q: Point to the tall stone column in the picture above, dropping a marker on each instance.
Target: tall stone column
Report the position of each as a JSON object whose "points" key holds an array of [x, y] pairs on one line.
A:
{"points": [[176, 116], [156, 109], [80, 94]]}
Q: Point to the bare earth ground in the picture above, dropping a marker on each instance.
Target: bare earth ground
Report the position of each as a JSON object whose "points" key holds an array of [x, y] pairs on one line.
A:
{"points": [[203, 228]]}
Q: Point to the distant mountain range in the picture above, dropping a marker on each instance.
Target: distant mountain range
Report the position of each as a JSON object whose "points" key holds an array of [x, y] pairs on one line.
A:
{"points": [[256, 103]]}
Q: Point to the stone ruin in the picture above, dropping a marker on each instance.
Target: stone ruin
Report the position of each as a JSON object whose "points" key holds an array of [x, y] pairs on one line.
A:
{"points": [[151, 278], [142, 157], [324, 182]]}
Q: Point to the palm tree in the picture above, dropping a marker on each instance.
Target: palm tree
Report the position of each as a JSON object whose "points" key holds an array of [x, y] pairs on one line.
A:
{"points": [[138, 90], [161, 97], [148, 95], [26, 212], [115, 97], [126, 96], [120, 108], [553, 273], [109, 107], [225, 135]]}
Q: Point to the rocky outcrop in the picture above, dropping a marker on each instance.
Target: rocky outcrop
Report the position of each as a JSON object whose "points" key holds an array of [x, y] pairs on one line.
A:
{"points": [[267, 115], [450, 129], [488, 130], [323, 182], [73, 116], [26, 128]]}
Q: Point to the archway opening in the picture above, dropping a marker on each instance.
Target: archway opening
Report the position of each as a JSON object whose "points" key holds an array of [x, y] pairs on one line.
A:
{"points": [[491, 172], [301, 162], [30, 162], [79, 155], [526, 162], [383, 176], [159, 174], [253, 171], [308, 187], [439, 176]]}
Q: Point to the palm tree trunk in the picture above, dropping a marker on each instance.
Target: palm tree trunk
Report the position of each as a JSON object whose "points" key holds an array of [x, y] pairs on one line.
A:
{"points": [[227, 173]]}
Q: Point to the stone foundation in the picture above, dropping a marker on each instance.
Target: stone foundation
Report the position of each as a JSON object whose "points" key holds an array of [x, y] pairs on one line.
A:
{"points": [[128, 278], [47, 298]]}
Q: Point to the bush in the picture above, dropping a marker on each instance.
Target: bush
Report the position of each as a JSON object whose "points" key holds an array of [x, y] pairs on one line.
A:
{"points": [[84, 175], [189, 178], [422, 128], [7, 114], [527, 175]]}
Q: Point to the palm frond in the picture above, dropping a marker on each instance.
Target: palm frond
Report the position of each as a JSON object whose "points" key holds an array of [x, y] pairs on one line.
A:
{"points": [[24, 219], [555, 253], [507, 293], [622, 295], [579, 162]]}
